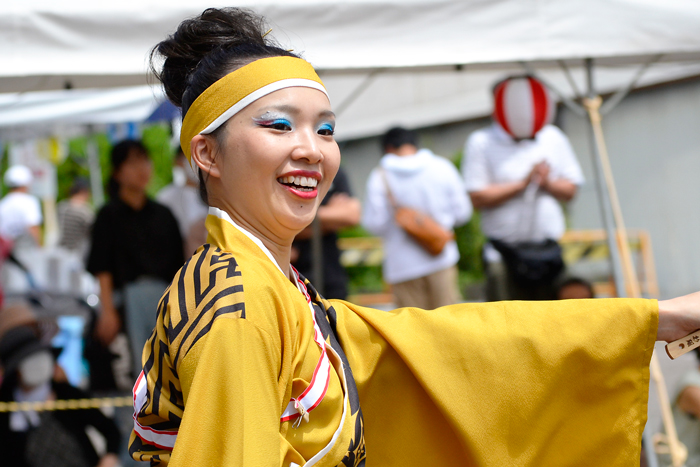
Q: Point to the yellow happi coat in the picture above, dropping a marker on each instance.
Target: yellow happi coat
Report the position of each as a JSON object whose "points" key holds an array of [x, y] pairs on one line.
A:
{"points": [[512, 383]]}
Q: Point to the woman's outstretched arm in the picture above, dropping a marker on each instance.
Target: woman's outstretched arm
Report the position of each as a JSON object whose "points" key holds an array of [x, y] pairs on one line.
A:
{"points": [[678, 317]]}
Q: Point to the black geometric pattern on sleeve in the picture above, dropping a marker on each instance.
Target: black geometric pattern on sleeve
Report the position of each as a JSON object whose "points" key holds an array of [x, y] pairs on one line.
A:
{"points": [[208, 286]]}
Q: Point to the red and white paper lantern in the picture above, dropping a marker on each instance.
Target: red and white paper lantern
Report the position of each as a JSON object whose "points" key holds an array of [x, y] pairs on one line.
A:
{"points": [[522, 106]]}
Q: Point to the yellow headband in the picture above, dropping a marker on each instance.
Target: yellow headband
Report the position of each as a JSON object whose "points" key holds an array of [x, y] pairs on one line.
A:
{"points": [[229, 95]]}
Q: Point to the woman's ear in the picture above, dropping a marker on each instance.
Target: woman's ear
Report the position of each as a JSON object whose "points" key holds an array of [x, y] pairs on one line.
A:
{"points": [[203, 149]]}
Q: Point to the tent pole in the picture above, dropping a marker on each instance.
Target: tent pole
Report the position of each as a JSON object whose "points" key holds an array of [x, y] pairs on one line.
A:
{"points": [[630, 280], [612, 102], [676, 449], [572, 82], [603, 195], [567, 101], [362, 87], [621, 249]]}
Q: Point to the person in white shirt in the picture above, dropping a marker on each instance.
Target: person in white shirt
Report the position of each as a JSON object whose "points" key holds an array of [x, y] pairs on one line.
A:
{"points": [[498, 170], [423, 181], [20, 212]]}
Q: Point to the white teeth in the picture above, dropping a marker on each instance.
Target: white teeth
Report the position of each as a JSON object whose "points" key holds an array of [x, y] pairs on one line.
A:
{"points": [[300, 181]]}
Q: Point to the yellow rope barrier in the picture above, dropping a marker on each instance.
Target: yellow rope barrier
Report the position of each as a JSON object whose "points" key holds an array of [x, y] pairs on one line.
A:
{"points": [[66, 404]]}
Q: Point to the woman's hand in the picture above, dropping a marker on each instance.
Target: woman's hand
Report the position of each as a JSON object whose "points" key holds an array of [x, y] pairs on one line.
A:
{"points": [[109, 460], [108, 325], [678, 317]]}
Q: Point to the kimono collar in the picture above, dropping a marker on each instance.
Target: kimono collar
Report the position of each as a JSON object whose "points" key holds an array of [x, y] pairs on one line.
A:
{"points": [[219, 235]]}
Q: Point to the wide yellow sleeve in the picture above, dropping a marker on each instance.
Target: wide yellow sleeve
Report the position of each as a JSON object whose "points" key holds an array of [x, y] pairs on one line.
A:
{"points": [[229, 383], [511, 383]]}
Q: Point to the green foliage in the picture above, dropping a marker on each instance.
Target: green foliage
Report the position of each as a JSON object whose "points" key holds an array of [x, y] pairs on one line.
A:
{"points": [[353, 232], [362, 279], [156, 138], [470, 241], [76, 162], [4, 163], [365, 279]]}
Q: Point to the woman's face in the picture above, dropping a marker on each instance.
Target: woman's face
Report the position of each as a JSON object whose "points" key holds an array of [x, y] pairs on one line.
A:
{"points": [[278, 160], [135, 172]]}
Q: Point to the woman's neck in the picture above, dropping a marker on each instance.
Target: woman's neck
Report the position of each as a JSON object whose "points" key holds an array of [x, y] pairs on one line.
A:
{"points": [[279, 248], [136, 199]]}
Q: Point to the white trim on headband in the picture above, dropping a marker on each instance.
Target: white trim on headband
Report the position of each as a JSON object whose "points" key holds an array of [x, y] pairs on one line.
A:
{"points": [[255, 95]]}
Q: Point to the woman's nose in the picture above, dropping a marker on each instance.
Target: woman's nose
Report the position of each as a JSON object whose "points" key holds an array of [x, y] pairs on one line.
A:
{"points": [[307, 147]]}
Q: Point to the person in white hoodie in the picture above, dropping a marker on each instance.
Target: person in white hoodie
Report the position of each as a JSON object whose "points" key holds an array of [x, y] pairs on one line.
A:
{"points": [[430, 184]]}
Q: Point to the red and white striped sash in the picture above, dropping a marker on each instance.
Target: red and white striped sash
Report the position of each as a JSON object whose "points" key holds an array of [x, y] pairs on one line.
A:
{"points": [[300, 406], [297, 408], [157, 438]]}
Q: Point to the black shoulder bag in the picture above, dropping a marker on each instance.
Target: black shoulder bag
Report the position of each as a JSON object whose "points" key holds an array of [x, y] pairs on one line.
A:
{"points": [[531, 263]]}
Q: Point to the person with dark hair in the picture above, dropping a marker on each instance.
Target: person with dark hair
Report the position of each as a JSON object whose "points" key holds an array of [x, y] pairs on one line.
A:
{"points": [[248, 365], [575, 287], [75, 217], [135, 252], [31, 438], [397, 137], [418, 179]]}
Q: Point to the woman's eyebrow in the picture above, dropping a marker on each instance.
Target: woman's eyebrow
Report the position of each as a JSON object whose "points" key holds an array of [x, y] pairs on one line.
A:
{"points": [[327, 114], [290, 109]]}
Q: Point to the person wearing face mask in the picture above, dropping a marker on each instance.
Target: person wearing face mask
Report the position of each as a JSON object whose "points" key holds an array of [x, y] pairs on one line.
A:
{"points": [[46, 438], [519, 172], [183, 199]]}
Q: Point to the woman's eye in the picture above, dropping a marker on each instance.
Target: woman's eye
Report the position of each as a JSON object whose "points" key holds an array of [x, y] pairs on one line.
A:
{"points": [[326, 130], [280, 124]]}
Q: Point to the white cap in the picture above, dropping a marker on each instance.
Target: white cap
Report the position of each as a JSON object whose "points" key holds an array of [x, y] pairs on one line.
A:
{"points": [[17, 176]]}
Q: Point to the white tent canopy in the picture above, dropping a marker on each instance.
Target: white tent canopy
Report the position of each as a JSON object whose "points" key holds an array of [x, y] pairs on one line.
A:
{"points": [[404, 55], [24, 115], [45, 38], [416, 62]]}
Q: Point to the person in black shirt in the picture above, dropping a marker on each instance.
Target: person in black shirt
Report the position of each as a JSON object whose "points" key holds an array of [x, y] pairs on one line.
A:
{"points": [[136, 250], [338, 210]]}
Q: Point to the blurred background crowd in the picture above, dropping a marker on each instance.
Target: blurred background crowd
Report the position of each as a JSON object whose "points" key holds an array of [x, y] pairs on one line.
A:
{"points": [[456, 185]]}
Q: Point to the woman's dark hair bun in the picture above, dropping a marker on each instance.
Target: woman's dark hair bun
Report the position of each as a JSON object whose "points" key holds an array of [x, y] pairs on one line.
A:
{"points": [[205, 48]]}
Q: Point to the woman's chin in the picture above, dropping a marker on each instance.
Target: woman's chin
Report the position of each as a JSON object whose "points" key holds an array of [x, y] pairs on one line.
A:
{"points": [[298, 223]]}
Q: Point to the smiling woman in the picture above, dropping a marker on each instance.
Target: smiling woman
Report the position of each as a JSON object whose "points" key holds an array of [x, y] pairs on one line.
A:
{"points": [[249, 366], [272, 163]]}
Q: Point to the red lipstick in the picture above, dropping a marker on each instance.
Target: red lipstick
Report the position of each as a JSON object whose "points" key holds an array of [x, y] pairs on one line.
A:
{"points": [[304, 192]]}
